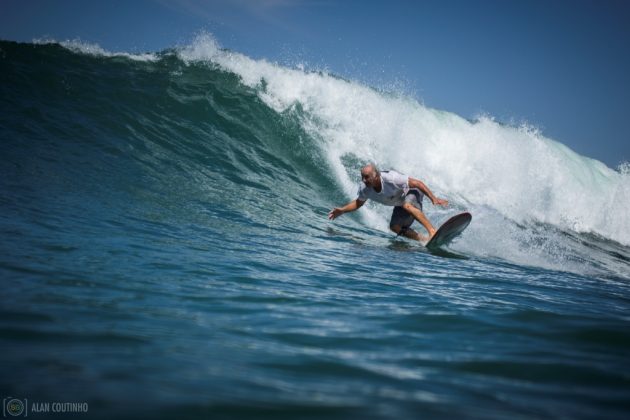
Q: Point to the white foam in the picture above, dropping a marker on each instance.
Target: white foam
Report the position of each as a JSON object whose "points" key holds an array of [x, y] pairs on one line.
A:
{"points": [[503, 174], [82, 47]]}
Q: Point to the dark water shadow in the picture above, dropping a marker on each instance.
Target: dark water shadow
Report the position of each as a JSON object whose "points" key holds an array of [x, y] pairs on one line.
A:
{"points": [[402, 245], [446, 254]]}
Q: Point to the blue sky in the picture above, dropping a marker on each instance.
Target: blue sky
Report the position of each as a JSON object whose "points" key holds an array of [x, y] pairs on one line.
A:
{"points": [[563, 66]]}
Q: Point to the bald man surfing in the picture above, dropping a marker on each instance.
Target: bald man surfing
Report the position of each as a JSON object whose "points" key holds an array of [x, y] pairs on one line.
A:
{"points": [[394, 189]]}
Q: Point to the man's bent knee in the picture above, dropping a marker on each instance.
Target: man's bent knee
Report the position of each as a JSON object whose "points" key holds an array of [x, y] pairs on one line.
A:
{"points": [[409, 207]]}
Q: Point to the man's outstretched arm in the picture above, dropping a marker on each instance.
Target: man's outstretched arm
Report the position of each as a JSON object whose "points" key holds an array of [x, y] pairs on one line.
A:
{"points": [[351, 206], [416, 183]]}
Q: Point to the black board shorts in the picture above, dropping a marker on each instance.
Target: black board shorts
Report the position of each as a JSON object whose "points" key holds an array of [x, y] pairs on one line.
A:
{"points": [[402, 217]]}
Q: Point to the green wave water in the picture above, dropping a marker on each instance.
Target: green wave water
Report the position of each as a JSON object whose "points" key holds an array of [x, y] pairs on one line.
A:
{"points": [[166, 251]]}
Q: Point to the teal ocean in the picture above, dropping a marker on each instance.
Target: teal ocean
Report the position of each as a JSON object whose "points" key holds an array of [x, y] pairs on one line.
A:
{"points": [[166, 251]]}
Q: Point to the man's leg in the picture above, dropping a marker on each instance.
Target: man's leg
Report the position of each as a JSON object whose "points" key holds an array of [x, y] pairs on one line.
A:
{"points": [[420, 217], [408, 233], [413, 206], [401, 222]]}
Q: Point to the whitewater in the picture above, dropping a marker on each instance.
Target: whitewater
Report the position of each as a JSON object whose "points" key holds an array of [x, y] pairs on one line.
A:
{"points": [[166, 244], [505, 175]]}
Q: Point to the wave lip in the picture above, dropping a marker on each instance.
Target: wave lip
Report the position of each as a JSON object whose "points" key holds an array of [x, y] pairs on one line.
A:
{"points": [[82, 47]]}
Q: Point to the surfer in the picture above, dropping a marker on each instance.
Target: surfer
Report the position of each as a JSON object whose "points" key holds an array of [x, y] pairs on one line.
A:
{"points": [[394, 189]]}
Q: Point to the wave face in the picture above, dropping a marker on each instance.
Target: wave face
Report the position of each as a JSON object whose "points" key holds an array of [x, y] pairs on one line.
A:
{"points": [[529, 194], [170, 209], [208, 113]]}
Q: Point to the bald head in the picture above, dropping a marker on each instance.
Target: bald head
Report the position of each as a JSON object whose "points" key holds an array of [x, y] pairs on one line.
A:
{"points": [[369, 169], [370, 175]]}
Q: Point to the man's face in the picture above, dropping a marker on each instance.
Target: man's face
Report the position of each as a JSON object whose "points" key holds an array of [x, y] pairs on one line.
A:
{"points": [[369, 177]]}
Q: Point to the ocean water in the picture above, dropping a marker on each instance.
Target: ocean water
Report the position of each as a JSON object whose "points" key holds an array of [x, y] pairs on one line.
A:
{"points": [[166, 251]]}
